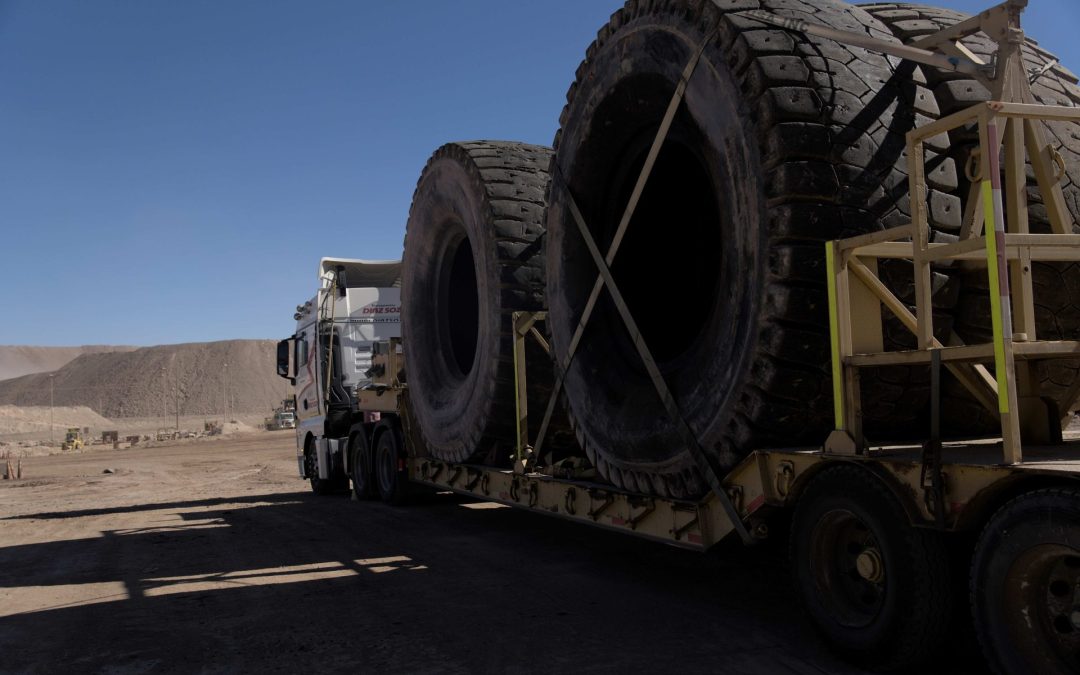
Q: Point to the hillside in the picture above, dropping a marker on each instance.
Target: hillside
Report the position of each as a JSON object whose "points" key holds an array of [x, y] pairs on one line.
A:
{"points": [[18, 360], [149, 381]]}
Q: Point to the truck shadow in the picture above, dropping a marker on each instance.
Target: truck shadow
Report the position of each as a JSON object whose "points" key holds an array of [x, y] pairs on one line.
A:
{"points": [[288, 581]]}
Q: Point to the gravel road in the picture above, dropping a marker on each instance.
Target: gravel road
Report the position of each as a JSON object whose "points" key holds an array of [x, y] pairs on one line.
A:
{"points": [[214, 557]]}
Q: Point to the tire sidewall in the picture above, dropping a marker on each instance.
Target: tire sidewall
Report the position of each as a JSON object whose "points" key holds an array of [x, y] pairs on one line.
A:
{"points": [[883, 517], [362, 465], [719, 361], [1039, 519], [449, 408], [390, 483]]}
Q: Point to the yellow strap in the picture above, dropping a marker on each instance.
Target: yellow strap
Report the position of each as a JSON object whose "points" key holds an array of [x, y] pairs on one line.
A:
{"points": [[995, 296], [834, 337]]}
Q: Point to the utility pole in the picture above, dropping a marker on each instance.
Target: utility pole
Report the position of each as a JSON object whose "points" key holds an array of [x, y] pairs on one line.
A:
{"points": [[176, 393], [51, 439], [224, 401], [164, 396]]}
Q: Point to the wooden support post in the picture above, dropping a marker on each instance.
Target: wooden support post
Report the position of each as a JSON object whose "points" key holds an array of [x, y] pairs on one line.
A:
{"points": [[924, 311], [1000, 305], [1044, 165], [522, 321]]}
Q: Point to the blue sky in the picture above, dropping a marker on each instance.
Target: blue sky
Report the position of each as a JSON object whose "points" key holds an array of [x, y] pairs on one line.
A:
{"points": [[172, 171]]}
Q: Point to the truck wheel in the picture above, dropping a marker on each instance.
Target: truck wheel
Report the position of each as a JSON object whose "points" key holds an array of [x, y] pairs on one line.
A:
{"points": [[876, 587], [390, 473], [1025, 584], [319, 486], [363, 466]]}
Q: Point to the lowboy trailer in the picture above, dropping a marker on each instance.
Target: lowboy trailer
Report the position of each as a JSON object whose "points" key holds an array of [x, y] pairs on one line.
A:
{"points": [[872, 525]]}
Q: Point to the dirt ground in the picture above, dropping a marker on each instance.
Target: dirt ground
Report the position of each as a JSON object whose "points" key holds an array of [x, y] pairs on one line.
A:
{"points": [[215, 557]]}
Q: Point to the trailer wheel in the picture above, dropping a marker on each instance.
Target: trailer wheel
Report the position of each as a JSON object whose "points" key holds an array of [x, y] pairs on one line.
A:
{"points": [[1025, 584], [876, 587], [363, 466], [390, 473]]}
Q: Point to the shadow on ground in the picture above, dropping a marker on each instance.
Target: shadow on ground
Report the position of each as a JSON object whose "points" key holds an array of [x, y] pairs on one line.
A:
{"points": [[286, 582]]}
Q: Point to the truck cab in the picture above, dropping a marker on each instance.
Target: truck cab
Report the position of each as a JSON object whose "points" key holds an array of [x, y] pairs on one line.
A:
{"points": [[357, 304]]}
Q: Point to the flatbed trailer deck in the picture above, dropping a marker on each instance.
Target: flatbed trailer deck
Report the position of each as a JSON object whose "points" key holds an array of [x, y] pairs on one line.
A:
{"points": [[766, 481]]}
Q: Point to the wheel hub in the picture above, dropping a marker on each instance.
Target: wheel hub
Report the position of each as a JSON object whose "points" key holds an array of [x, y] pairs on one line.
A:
{"points": [[848, 563], [1043, 585], [870, 566]]}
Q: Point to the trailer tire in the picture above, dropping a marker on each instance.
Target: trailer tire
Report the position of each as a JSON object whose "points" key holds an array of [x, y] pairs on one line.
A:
{"points": [[473, 257], [362, 466], [781, 143], [1024, 576], [875, 586], [391, 475]]}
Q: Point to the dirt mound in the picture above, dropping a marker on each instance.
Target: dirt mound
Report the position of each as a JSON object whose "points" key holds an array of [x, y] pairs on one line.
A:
{"points": [[15, 420], [155, 381], [18, 360]]}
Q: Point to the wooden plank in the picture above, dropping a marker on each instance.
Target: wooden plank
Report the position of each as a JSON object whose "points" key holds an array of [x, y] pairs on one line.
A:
{"points": [[973, 213], [1047, 349], [974, 245], [965, 353], [1054, 240], [891, 234], [1049, 186], [945, 124], [1036, 111]]}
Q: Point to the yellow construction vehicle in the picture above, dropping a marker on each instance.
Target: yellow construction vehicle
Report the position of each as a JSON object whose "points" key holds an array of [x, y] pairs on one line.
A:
{"points": [[73, 440]]}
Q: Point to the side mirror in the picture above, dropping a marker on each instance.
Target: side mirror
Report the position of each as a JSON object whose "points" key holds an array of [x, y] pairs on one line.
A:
{"points": [[284, 348]]}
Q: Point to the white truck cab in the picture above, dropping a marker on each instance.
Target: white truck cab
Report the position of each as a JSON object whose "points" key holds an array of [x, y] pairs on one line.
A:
{"points": [[328, 359]]}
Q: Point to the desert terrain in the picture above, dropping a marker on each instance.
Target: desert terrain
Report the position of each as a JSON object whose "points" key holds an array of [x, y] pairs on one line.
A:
{"points": [[214, 557], [18, 360], [134, 391]]}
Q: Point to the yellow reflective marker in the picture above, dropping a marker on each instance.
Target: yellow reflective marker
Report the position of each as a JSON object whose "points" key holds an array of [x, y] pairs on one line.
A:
{"points": [[834, 336], [995, 297]]}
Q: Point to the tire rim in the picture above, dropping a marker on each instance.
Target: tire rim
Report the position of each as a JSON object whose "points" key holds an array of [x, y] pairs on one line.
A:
{"points": [[1042, 605], [848, 568]]}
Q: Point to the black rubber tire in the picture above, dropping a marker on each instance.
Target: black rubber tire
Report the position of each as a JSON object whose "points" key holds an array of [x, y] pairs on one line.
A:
{"points": [[785, 143], [391, 475], [472, 258], [913, 606], [362, 465], [1023, 579], [1057, 285], [319, 486]]}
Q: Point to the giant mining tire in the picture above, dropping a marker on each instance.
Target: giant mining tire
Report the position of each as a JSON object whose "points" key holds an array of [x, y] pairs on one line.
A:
{"points": [[473, 257], [781, 144], [1056, 285]]}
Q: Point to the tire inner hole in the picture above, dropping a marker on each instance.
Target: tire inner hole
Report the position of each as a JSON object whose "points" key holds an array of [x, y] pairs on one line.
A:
{"points": [[461, 320], [668, 265]]}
